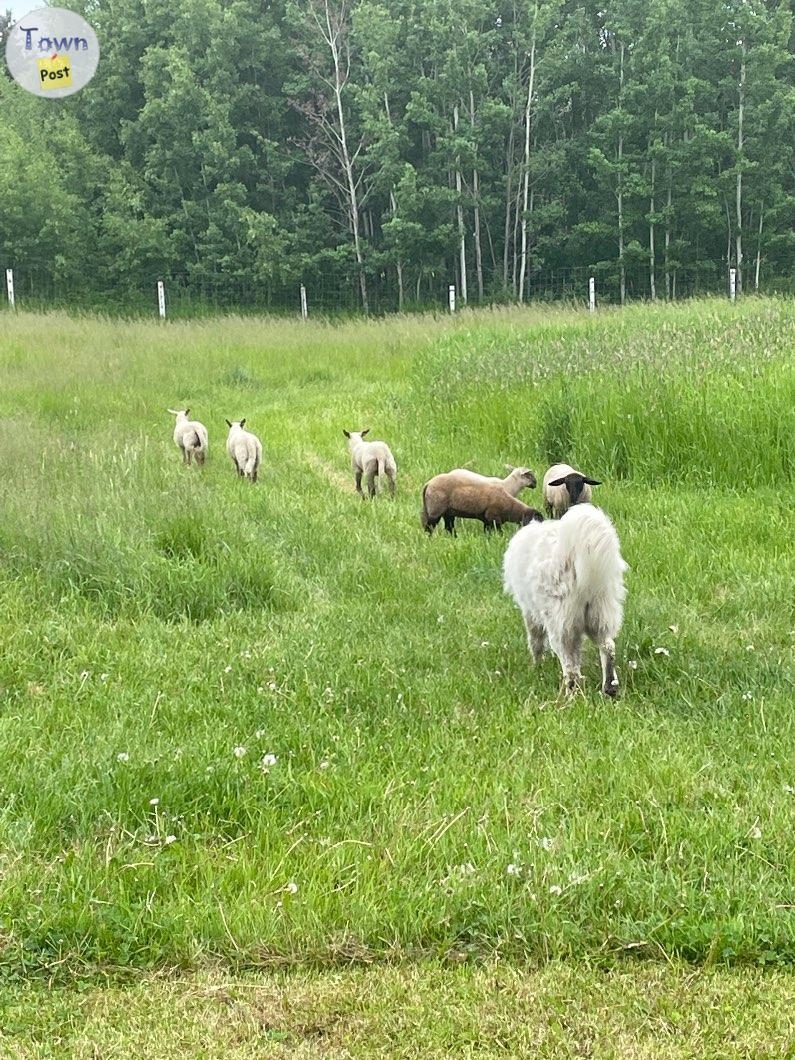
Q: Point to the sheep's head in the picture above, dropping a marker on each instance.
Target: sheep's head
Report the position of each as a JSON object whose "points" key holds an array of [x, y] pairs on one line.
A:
{"points": [[179, 412], [574, 483], [236, 423], [355, 436], [531, 516], [524, 475]]}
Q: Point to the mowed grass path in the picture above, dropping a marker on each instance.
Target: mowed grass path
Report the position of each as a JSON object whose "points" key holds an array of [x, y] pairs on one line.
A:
{"points": [[165, 629]]}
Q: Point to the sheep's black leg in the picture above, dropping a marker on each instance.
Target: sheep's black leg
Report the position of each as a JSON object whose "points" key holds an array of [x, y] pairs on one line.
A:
{"points": [[358, 475], [449, 524]]}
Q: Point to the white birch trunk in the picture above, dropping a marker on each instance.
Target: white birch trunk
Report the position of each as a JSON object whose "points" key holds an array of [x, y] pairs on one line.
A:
{"points": [[738, 235], [462, 251], [526, 174], [332, 39], [476, 198]]}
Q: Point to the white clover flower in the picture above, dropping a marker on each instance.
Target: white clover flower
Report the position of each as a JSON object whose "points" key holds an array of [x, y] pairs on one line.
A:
{"points": [[239, 752], [547, 843], [755, 833], [324, 764], [747, 696], [227, 669], [269, 760], [290, 888], [513, 870], [555, 889], [259, 734], [632, 664], [749, 647], [103, 677], [170, 839], [661, 651], [154, 802], [122, 756]]}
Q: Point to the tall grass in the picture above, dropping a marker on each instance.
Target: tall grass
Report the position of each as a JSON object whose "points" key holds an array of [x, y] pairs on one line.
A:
{"points": [[170, 632]]}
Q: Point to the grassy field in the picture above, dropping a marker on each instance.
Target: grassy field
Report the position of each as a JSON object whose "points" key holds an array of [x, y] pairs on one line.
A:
{"points": [[167, 633]]}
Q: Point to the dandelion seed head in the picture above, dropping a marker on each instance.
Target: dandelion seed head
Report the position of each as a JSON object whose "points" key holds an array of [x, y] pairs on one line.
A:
{"points": [[238, 752]]}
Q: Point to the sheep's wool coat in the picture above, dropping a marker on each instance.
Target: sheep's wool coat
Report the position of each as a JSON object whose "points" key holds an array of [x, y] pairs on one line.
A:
{"points": [[567, 576]]}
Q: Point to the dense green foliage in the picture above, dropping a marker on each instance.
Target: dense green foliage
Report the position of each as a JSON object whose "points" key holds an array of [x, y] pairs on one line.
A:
{"points": [[167, 629], [377, 153]]}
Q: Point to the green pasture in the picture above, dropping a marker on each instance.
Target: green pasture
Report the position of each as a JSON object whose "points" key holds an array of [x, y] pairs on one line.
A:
{"points": [[168, 632]]}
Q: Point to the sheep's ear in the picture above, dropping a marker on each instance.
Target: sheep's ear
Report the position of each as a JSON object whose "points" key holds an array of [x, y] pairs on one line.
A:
{"points": [[365, 431], [187, 411], [559, 482], [243, 422], [173, 412], [346, 433], [227, 423], [592, 481], [510, 467]]}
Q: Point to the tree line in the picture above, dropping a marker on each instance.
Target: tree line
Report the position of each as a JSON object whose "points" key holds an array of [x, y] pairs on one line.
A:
{"points": [[243, 147]]}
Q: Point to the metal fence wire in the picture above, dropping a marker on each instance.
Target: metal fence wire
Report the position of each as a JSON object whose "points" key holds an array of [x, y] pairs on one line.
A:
{"points": [[187, 297]]}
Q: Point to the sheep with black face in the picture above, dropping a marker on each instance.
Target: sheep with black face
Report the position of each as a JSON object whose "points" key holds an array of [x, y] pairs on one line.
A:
{"points": [[563, 486]]}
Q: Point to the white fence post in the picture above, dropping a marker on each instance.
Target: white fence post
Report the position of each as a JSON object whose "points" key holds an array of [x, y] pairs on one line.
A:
{"points": [[592, 294], [451, 297], [161, 299], [733, 284], [10, 286], [304, 309]]}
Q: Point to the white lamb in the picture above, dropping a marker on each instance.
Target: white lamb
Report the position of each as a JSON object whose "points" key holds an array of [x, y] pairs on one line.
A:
{"points": [[370, 459], [567, 578], [190, 437], [244, 448]]}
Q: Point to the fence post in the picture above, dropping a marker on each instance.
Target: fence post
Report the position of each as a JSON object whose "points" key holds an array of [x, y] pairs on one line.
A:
{"points": [[451, 297], [10, 287], [592, 294], [732, 284], [304, 309], [161, 299]]}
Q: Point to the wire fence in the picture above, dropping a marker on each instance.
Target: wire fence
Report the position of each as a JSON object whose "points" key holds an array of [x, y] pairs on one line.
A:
{"points": [[187, 297]]}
